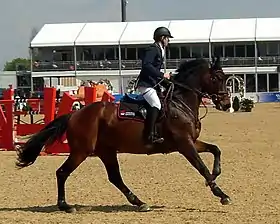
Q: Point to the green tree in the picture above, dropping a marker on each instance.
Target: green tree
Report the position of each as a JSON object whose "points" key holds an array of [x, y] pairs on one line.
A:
{"points": [[17, 64]]}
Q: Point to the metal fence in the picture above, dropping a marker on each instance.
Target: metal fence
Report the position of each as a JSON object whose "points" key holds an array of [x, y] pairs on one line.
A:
{"points": [[136, 64]]}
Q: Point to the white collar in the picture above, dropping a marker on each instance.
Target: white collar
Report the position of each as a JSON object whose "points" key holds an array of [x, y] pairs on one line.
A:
{"points": [[162, 50]]}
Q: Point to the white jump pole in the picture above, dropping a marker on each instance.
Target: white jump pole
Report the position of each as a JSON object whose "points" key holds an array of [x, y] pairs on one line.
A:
{"points": [[231, 110]]}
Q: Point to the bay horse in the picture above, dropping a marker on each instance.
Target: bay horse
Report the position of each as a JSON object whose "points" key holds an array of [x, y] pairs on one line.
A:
{"points": [[106, 129]]}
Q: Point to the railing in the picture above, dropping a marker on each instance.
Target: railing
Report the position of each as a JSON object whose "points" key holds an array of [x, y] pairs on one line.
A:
{"points": [[136, 64], [266, 61], [237, 62], [98, 65], [261, 61], [53, 66]]}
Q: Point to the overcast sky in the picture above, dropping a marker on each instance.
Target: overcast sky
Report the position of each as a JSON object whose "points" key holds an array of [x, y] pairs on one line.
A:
{"points": [[18, 17]]}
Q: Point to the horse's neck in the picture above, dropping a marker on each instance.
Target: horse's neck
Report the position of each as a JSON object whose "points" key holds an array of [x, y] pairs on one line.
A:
{"points": [[192, 100]]}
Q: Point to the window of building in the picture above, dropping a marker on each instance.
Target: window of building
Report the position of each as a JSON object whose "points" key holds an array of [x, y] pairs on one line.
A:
{"points": [[24, 80], [250, 50], [273, 82], [205, 50], [250, 83], [173, 52], [261, 49], [272, 49], [65, 57], [140, 52], [131, 53], [262, 83], [240, 51], [109, 53], [98, 54], [56, 56], [38, 83], [87, 54], [123, 55], [185, 52], [218, 50], [196, 51], [62, 54], [167, 52], [229, 50]]}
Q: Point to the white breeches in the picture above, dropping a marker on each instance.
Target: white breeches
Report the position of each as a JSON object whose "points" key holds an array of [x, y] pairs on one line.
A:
{"points": [[150, 95]]}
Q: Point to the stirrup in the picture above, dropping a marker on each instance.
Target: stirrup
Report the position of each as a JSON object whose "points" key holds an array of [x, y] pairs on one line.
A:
{"points": [[152, 139], [158, 140]]}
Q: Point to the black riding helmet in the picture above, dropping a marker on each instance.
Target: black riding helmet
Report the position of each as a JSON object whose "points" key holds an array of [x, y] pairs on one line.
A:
{"points": [[162, 31]]}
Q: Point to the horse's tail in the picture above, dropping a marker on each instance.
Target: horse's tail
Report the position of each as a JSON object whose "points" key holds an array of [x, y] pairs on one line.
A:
{"points": [[28, 153]]}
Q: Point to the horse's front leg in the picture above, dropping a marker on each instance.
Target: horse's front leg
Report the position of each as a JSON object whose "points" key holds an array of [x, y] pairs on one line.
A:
{"points": [[206, 147], [188, 150]]}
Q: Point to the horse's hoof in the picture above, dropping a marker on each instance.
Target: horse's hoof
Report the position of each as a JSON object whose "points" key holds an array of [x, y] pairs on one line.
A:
{"points": [[71, 210], [225, 201], [144, 208], [67, 208]]}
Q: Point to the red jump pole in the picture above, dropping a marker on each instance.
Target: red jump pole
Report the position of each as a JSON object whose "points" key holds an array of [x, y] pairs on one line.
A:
{"points": [[65, 107], [7, 125], [49, 104], [90, 95], [8, 128], [107, 97], [8, 94], [3, 123], [66, 104]]}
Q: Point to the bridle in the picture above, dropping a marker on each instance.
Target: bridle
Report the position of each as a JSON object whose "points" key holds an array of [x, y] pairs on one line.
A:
{"points": [[169, 94], [198, 92], [218, 78]]}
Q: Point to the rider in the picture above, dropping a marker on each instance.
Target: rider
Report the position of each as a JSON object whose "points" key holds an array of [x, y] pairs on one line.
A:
{"points": [[149, 78]]}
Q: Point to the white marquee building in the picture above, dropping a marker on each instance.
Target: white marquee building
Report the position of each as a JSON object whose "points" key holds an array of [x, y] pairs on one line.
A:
{"points": [[249, 48]]}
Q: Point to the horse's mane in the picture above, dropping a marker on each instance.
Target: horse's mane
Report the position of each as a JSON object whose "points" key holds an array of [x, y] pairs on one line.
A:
{"points": [[189, 67]]}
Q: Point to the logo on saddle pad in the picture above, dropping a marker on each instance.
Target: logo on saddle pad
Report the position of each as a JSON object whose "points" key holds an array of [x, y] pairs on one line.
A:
{"points": [[127, 113], [135, 113]]}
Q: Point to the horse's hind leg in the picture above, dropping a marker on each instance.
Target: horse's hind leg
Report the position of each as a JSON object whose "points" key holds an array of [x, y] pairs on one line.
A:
{"points": [[110, 160], [206, 147], [72, 162]]}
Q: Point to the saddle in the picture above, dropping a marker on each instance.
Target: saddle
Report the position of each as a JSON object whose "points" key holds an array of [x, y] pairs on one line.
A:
{"points": [[134, 108]]}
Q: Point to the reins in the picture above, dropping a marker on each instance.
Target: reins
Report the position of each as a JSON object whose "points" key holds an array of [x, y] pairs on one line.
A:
{"points": [[170, 92]]}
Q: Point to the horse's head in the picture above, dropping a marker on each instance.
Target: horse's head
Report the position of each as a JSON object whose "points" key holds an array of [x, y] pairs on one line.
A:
{"points": [[220, 97], [203, 79]]}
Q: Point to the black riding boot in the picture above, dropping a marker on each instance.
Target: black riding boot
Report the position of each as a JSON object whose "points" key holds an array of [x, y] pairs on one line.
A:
{"points": [[149, 129]]}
